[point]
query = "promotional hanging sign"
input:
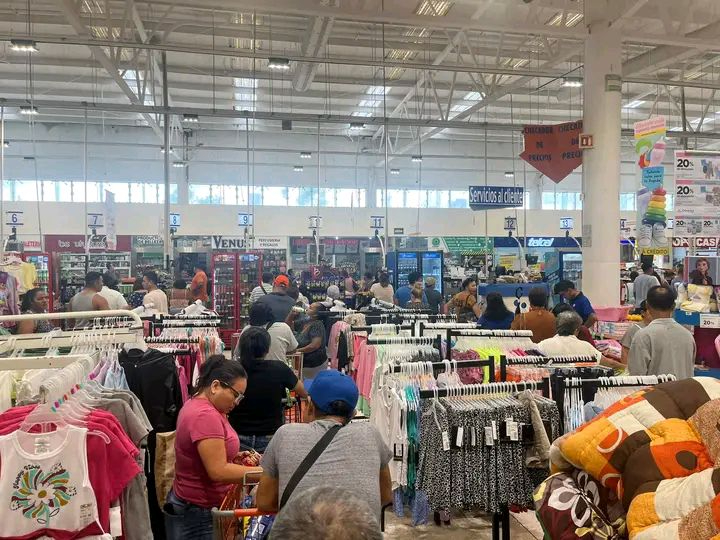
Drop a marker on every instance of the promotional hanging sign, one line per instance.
(652, 221)
(491, 197)
(697, 194)
(553, 149)
(111, 220)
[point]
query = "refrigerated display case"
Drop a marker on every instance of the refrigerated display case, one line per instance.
(41, 262)
(120, 261)
(571, 267)
(234, 276)
(402, 263)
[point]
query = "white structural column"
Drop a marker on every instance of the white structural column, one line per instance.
(601, 165)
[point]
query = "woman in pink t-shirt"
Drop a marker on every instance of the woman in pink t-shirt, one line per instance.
(206, 447)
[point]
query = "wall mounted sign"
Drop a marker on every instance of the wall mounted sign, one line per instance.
(553, 149)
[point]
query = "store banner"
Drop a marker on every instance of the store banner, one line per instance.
(652, 222)
(270, 242)
(461, 244)
(553, 150)
(701, 242)
(697, 194)
(148, 240)
(75, 243)
(229, 243)
(490, 197)
(110, 221)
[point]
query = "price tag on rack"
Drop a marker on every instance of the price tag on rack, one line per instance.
(14, 218)
(709, 320)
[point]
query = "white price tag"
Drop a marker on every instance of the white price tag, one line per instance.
(489, 441)
(446, 441)
(459, 438)
(708, 320)
(512, 430)
(494, 430)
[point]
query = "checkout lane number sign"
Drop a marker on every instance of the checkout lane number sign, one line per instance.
(174, 220)
(566, 224)
(14, 218)
(245, 220)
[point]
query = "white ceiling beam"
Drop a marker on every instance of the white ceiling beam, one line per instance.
(629, 12)
(314, 42)
(73, 18)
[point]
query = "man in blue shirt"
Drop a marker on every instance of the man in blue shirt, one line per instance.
(403, 294)
(578, 301)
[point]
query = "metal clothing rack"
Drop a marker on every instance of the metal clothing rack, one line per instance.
(618, 382)
(540, 361)
(407, 340)
(501, 519)
(370, 328)
(172, 340)
(454, 364)
(467, 332)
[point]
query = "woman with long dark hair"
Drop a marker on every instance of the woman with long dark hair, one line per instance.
(260, 414)
(34, 301)
(205, 447)
(496, 315)
(464, 304)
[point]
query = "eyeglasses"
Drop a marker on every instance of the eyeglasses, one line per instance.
(238, 396)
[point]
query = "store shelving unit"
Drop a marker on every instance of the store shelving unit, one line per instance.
(41, 262)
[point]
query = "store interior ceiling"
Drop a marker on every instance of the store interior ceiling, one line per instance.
(444, 77)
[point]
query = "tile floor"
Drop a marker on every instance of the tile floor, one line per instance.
(522, 527)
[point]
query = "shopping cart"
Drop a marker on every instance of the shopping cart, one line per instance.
(231, 520)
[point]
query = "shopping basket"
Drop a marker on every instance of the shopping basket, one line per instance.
(231, 520)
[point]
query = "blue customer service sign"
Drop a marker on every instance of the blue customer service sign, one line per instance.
(490, 197)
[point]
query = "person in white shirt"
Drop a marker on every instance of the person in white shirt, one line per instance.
(643, 283)
(566, 342)
(282, 338)
(114, 298)
(154, 295)
(382, 290)
(264, 288)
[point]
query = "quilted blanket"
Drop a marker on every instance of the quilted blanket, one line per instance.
(659, 451)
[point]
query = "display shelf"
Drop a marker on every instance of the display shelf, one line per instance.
(701, 320)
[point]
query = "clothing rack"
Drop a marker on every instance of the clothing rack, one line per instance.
(172, 340)
(501, 520)
(406, 340)
(540, 361)
(370, 328)
(618, 382)
(453, 364)
(467, 332)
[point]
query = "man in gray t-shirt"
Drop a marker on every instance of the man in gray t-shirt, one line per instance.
(663, 346)
(356, 459)
(643, 283)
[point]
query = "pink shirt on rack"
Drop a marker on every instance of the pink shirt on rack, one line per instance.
(200, 420)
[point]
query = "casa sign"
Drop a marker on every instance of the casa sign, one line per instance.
(705, 242)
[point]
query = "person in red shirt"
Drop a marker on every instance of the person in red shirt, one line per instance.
(199, 285)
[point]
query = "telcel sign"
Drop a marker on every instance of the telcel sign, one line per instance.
(540, 242)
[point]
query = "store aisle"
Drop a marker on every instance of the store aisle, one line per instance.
(522, 527)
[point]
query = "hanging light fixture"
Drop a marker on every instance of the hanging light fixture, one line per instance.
(28, 110)
(191, 118)
(416, 159)
(179, 164)
(305, 155)
(279, 64)
(23, 45)
(395, 172)
(6, 144)
(356, 126)
(572, 82)
(509, 174)
(162, 149)
(298, 168)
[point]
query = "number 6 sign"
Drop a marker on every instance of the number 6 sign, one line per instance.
(14, 218)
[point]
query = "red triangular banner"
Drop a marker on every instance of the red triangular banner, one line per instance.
(553, 149)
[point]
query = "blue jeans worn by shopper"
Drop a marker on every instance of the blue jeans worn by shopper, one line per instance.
(185, 521)
(254, 442)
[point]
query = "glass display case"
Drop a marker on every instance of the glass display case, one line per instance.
(224, 277)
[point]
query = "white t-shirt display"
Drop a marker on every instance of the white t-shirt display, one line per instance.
(114, 298)
(282, 341)
(568, 346)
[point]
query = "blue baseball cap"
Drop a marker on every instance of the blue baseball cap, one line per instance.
(331, 385)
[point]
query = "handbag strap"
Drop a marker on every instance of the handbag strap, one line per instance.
(308, 462)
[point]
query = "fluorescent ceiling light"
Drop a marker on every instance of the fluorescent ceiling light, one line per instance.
(369, 103)
(356, 126)
(190, 118)
(633, 104)
(6, 144)
(298, 168)
(459, 108)
(509, 174)
(244, 82)
(28, 110)
(244, 108)
(305, 155)
(179, 164)
(364, 114)
(378, 90)
(23, 45)
(473, 96)
(572, 82)
(395, 171)
(416, 159)
(162, 149)
(280, 64)
(245, 96)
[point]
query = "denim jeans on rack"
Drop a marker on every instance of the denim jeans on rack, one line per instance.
(254, 442)
(186, 521)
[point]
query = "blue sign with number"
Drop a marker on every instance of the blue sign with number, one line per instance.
(489, 197)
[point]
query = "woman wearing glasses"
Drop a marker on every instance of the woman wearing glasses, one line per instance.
(260, 414)
(206, 448)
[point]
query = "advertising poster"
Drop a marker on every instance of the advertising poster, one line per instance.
(554, 150)
(697, 194)
(651, 237)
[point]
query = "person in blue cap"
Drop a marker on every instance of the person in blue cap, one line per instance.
(346, 455)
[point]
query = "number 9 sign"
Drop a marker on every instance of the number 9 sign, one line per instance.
(245, 220)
